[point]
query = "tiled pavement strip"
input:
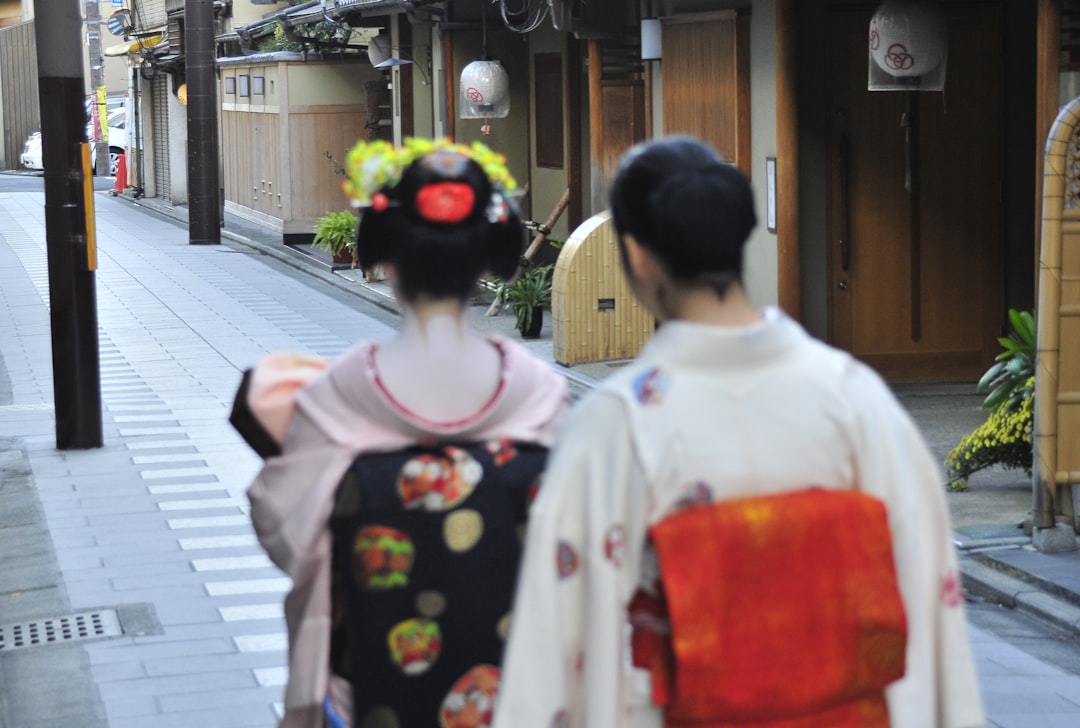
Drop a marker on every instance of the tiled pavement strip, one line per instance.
(155, 523)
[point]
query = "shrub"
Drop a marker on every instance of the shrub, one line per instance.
(1004, 439)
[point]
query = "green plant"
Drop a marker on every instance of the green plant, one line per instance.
(335, 232)
(1010, 378)
(529, 292)
(1006, 437)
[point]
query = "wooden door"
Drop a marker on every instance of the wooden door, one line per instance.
(914, 205)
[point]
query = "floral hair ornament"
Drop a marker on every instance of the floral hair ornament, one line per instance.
(373, 168)
(446, 202)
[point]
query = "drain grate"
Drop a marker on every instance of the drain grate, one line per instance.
(68, 628)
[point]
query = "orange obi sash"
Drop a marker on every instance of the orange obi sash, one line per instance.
(784, 613)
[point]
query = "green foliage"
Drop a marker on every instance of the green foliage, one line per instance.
(1008, 379)
(532, 290)
(335, 232)
(338, 169)
(1004, 439)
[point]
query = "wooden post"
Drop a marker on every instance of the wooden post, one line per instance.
(787, 160)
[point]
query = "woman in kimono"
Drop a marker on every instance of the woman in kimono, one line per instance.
(743, 527)
(397, 478)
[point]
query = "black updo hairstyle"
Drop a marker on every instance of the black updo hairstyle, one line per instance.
(441, 260)
(688, 207)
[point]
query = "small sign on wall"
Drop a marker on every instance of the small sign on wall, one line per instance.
(770, 193)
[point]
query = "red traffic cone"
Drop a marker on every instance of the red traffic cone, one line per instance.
(121, 175)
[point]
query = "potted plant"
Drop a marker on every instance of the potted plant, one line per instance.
(1005, 438)
(335, 232)
(528, 296)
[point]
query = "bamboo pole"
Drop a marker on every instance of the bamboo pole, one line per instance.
(541, 236)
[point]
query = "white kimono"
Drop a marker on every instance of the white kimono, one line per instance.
(738, 411)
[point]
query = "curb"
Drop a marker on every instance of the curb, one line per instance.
(284, 254)
(1016, 593)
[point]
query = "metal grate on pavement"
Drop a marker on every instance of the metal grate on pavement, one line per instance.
(56, 630)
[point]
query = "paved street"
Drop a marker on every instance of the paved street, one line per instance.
(149, 535)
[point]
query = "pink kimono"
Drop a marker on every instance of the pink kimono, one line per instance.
(324, 415)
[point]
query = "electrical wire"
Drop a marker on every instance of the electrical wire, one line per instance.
(534, 11)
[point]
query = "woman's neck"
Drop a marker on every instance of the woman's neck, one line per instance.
(702, 305)
(434, 326)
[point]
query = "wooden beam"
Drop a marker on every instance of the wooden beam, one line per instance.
(787, 161)
(1047, 52)
(596, 130)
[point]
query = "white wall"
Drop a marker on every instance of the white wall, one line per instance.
(761, 261)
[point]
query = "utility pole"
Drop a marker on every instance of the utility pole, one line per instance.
(204, 190)
(97, 85)
(69, 226)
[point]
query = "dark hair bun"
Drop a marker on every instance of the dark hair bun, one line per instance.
(444, 226)
(685, 204)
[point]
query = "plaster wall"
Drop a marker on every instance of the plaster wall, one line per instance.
(547, 183)
(320, 84)
(245, 11)
(760, 262)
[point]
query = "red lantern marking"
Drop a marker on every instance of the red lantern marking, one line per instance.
(474, 95)
(898, 58)
(875, 39)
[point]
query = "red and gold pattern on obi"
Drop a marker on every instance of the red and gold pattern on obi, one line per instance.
(784, 613)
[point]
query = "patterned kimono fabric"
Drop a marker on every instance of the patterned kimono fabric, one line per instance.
(427, 543)
(784, 612)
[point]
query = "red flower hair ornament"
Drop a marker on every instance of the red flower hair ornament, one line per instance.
(445, 202)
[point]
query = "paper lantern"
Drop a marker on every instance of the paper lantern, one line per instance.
(485, 90)
(908, 39)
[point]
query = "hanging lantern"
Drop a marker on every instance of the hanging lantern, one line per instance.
(485, 90)
(908, 41)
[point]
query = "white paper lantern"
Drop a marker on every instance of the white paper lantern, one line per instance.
(908, 38)
(485, 90)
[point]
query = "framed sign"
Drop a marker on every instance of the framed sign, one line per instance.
(770, 193)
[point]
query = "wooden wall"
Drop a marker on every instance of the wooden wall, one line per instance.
(20, 112)
(279, 122)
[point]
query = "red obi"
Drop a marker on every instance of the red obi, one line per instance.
(784, 613)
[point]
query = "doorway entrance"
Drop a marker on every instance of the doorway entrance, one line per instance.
(915, 205)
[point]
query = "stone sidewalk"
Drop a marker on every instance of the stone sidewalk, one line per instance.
(132, 590)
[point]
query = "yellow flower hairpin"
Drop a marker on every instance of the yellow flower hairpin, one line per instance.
(375, 166)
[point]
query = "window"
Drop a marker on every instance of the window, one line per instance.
(230, 84)
(549, 109)
(244, 90)
(257, 85)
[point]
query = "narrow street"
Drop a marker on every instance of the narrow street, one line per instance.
(150, 534)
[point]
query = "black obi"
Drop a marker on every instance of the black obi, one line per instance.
(427, 543)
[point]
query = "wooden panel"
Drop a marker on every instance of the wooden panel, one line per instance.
(310, 135)
(548, 85)
(595, 317)
(236, 158)
(706, 82)
(19, 86)
(266, 164)
(624, 122)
